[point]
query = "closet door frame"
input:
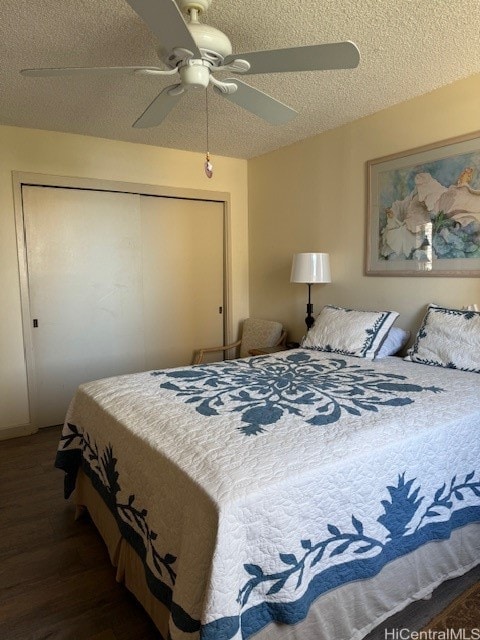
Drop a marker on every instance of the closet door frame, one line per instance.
(21, 179)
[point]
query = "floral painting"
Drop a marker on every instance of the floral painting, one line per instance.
(424, 211)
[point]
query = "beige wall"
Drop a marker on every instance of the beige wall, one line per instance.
(80, 156)
(311, 197)
(306, 197)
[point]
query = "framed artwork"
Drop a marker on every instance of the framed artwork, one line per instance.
(423, 211)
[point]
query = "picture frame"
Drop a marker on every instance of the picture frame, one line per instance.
(423, 211)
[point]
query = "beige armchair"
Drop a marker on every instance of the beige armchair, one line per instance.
(255, 333)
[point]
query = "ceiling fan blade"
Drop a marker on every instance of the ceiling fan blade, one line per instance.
(161, 106)
(74, 71)
(165, 20)
(317, 57)
(258, 102)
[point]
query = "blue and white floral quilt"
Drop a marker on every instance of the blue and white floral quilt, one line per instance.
(249, 488)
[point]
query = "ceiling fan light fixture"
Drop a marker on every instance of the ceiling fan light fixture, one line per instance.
(195, 74)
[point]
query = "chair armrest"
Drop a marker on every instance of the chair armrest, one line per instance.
(198, 357)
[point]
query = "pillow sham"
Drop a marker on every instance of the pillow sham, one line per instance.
(396, 339)
(349, 332)
(448, 338)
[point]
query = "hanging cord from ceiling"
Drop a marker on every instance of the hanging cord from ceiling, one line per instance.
(208, 165)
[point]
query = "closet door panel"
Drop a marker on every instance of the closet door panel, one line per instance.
(183, 287)
(118, 283)
(84, 258)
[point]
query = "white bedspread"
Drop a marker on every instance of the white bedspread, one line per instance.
(251, 487)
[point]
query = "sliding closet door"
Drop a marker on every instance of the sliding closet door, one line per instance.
(117, 284)
(183, 278)
(85, 273)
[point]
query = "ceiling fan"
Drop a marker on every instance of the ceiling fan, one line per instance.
(194, 52)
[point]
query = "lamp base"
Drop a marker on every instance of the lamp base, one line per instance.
(309, 320)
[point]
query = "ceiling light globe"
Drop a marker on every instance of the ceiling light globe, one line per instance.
(195, 76)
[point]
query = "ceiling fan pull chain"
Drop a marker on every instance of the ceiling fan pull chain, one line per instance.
(208, 165)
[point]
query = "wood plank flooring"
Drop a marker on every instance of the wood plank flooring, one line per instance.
(56, 580)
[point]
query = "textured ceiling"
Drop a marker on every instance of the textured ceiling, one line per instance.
(407, 47)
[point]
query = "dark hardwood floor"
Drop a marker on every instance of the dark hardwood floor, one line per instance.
(56, 579)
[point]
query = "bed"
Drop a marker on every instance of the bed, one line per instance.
(304, 495)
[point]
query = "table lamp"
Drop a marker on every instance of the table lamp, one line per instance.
(310, 268)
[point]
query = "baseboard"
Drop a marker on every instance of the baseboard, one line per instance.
(16, 432)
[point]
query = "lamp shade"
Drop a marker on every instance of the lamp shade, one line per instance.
(310, 268)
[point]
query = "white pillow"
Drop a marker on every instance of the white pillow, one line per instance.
(349, 332)
(448, 338)
(396, 339)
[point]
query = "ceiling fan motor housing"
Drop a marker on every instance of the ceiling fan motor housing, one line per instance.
(210, 40)
(213, 44)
